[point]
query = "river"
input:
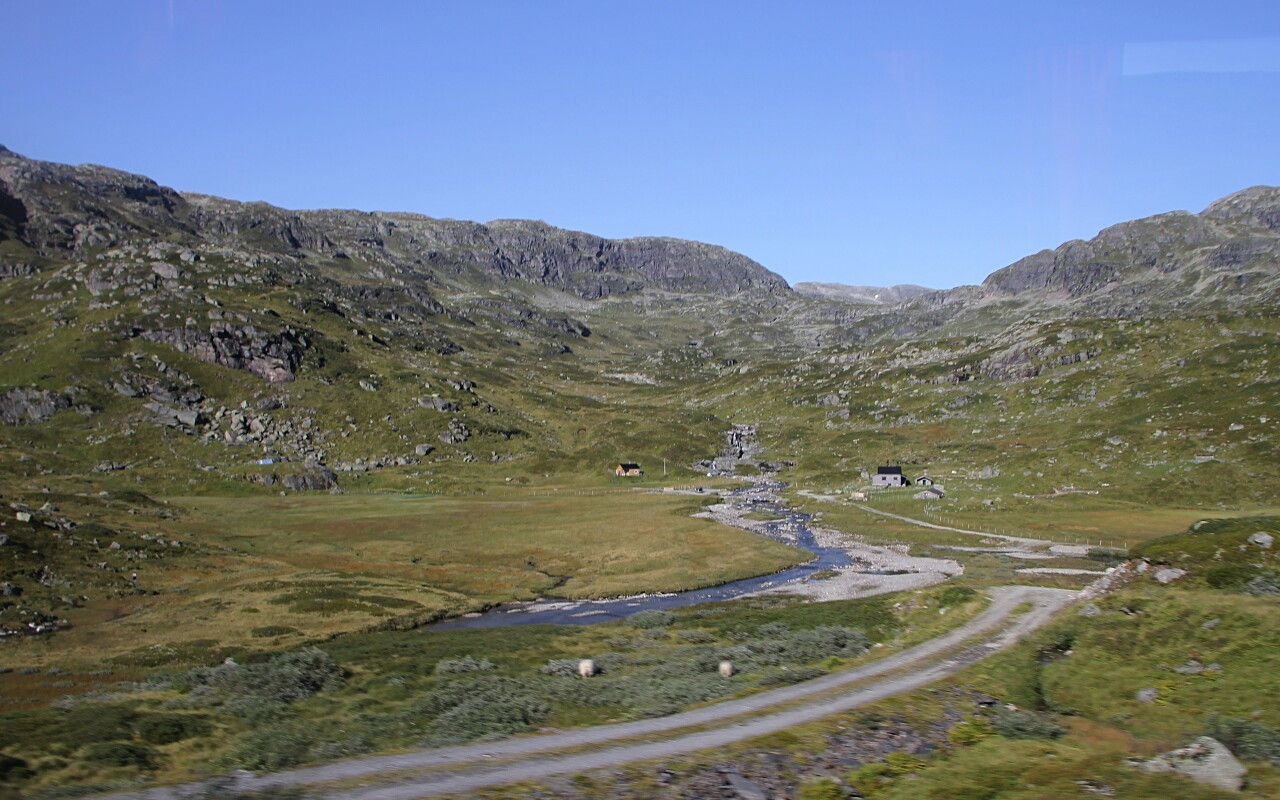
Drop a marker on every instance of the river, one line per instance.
(791, 527)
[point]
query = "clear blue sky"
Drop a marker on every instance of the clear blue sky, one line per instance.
(858, 142)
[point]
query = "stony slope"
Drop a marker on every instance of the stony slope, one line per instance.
(187, 337)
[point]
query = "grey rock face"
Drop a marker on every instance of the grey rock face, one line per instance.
(437, 404)
(316, 478)
(1206, 761)
(274, 357)
(31, 406)
(1169, 575)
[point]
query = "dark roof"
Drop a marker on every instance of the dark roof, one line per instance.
(888, 470)
(627, 465)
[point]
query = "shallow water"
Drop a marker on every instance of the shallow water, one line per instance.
(792, 529)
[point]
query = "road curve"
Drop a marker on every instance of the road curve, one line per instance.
(997, 625)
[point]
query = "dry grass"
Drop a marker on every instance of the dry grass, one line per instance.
(323, 564)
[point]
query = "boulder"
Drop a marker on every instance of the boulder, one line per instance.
(745, 789)
(1169, 574)
(437, 404)
(1262, 539)
(1206, 761)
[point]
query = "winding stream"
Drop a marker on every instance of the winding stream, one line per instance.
(791, 528)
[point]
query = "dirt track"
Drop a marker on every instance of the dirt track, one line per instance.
(468, 767)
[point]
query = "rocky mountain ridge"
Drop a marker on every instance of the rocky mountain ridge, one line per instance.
(345, 338)
(62, 210)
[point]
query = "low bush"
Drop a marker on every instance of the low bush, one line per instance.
(1247, 739)
(561, 667)
(955, 595)
(169, 728)
(464, 664)
(970, 731)
(120, 754)
(653, 618)
(820, 789)
(1027, 725)
(284, 679)
(273, 747)
(13, 769)
(89, 724)
(790, 676)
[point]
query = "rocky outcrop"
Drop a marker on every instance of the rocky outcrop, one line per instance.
(62, 207)
(30, 406)
(274, 357)
(456, 434)
(1017, 363)
(315, 478)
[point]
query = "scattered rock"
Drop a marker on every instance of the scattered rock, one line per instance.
(1147, 695)
(745, 789)
(457, 433)
(1169, 574)
(1206, 761)
(1089, 610)
(423, 450)
(1210, 624)
(1192, 667)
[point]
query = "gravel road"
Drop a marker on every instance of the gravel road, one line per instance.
(997, 625)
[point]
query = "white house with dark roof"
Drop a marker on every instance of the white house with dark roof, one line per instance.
(887, 477)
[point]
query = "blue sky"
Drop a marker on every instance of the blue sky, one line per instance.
(859, 142)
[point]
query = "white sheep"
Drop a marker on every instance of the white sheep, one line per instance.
(727, 670)
(586, 668)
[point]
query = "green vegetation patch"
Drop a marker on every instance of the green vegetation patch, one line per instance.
(1240, 555)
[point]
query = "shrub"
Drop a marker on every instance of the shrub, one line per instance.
(119, 754)
(464, 664)
(971, 731)
(92, 723)
(1027, 725)
(286, 678)
(274, 747)
(955, 595)
(561, 667)
(267, 631)
(1264, 585)
(653, 618)
(480, 708)
(870, 779)
(820, 789)
(695, 637)
(169, 728)
(13, 769)
(1247, 739)
(901, 763)
(790, 676)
